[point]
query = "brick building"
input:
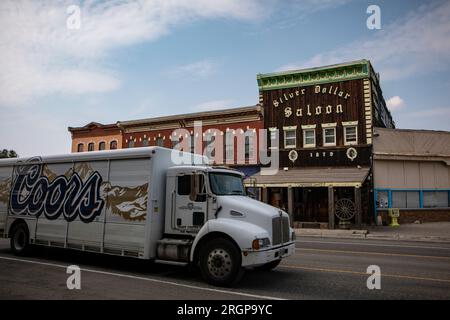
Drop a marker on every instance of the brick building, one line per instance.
(230, 136)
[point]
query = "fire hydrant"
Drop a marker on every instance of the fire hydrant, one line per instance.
(394, 214)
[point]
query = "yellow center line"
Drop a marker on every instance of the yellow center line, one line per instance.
(373, 253)
(364, 273)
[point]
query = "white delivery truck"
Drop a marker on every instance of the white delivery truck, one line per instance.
(138, 203)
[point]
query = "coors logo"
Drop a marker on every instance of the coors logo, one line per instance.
(32, 193)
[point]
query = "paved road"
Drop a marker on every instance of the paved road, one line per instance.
(320, 269)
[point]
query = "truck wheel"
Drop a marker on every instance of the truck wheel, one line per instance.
(220, 262)
(269, 266)
(20, 239)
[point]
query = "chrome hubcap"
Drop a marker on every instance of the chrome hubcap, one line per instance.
(219, 263)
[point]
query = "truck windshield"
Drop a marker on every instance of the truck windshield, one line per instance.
(223, 184)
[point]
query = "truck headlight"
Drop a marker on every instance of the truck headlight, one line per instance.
(260, 243)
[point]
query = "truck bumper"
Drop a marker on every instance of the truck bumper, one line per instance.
(260, 257)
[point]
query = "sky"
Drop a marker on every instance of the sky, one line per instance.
(67, 63)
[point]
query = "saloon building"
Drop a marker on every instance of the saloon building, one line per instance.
(324, 119)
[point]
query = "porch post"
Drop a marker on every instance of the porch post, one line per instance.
(291, 205)
(358, 207)
(330, 207)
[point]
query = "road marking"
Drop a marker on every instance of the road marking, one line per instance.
(373, 253)
(146, 279)
(363, 273)
(371, 244)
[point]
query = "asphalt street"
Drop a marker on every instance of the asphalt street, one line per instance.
(320, 269)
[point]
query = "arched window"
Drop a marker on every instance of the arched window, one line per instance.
(145, 143)
(131, 144)
(91, 146)
(113, 145)
(102, 146)
(80, 147)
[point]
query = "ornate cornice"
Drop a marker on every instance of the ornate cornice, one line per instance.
(306, 77)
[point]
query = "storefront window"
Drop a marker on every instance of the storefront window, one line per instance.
(382, 199)
(413, 199)
(398, 199)
(435, 199)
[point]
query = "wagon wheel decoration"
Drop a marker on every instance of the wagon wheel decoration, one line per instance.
(345, 209)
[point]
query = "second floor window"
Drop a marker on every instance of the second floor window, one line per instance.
(102, 146)
(309, 138)
(113, 145)
(290, 137)
(80, 147)
(229, 146)
(160, 141)
(91, 146)
(350, 135)
(329, 136)
(145, 143)
(131, 144)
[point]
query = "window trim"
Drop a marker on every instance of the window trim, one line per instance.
(93, 146)
(290, 128)
(99, 143)
(327, 126)
(309, 128)
(117, 144)
(350, 143)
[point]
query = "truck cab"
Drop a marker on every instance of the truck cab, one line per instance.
(211, 222)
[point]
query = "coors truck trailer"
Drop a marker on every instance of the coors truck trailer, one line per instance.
(138, 203)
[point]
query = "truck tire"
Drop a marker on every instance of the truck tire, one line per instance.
(269, 266)
(220, 262)
(20, 239)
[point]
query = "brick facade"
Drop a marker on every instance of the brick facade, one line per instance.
(96, 133)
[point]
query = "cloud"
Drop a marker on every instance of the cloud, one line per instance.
(213, 105)
(195, 70)
(40, 56)
(414, 44)
(395, 103)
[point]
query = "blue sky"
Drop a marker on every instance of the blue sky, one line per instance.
(132, 59)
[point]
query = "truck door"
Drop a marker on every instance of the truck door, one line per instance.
(190, 202)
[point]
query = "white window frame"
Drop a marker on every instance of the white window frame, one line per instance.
(290, 128)
(327, 126)
(350, 124)
(312, 128)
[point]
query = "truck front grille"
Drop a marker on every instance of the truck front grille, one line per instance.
(280, 230)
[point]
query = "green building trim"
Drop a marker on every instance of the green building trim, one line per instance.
(305, 77)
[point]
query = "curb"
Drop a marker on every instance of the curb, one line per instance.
(364, 234)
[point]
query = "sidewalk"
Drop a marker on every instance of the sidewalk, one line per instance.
(431, 232)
